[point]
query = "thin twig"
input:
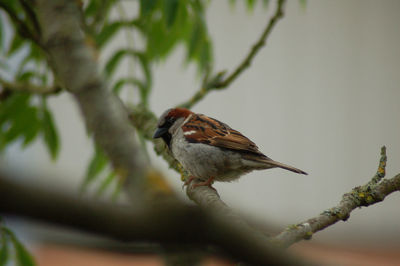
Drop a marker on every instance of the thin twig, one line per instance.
(217, 82)
(7, 88)
(373, 192)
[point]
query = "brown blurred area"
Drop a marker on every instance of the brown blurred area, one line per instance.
(348, 255)
(60, 255)
(322, 254)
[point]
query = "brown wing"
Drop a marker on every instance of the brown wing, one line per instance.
(207, 130)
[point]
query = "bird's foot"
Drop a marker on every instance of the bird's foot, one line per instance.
(207, 183)
(187, 182)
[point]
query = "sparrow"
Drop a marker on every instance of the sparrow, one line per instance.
(210, 150)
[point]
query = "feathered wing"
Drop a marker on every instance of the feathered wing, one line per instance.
(207, 130)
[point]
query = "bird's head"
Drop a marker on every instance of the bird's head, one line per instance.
(169, 121)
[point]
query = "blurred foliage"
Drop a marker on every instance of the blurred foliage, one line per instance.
(22, 116)
(151, 35)
(152, 30)
(158, 26)
(11, 249)
(99, 169)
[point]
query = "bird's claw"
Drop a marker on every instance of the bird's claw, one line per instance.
(187, 182)
(207, 183)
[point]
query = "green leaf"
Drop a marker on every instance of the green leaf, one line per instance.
(35, 53)
(127, 81)
(105, 184)
(26, 76)
(170, 11)
(18, 119)
(147, 6)
(194, 40)
(16, 44)
(205, 55)
(14, 105)
(180, 21)
(50, 133)
(158, 43)
(250, 4)
(112, 63)
(22, 255)
(92, 7)
(31, 131)
(96, 166)
(115, 59)
(107, 32)
(198, 44)
(303, 3)
(22, 121)
(3, 248)
(144, 62)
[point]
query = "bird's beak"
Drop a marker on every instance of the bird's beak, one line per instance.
(159, 132)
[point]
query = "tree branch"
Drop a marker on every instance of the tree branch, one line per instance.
(208, 199)
(145, 122)
(167, 222)
(9, 87)
(218, 82)
(75, 65)
(373, 192)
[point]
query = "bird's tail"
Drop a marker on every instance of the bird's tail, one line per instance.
(269, 163)
(285, 166)
(260, 161)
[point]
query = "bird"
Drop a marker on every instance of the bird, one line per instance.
(210, 150)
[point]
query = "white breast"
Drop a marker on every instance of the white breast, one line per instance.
(204, 161)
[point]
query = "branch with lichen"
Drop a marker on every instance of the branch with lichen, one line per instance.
(218, 82)
(362, 196)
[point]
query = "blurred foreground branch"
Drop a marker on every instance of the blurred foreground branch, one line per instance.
(373, 192)
(218, 82)
(169, 222)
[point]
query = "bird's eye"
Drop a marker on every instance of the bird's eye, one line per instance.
(167, 123)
